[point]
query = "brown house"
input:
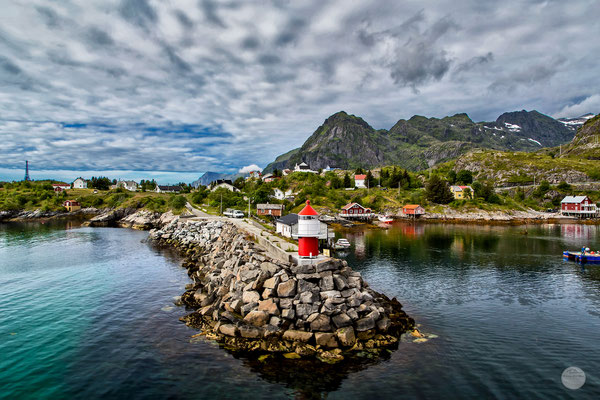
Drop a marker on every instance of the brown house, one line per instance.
(275, 210)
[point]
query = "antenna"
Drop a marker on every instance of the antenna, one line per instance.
(27, 178)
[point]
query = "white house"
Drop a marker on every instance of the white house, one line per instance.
(360, 181)
(79, 183)
(168, 189)
(224, 184)
(288, 226)
(132, 186)
(303, 167)
(280, 194)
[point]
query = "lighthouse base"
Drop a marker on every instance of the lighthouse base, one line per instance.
(308, 247)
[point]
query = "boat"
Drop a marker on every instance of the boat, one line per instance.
(386, 219)
(341, 244)
(586, 257)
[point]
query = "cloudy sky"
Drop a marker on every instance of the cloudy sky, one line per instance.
(184, 86)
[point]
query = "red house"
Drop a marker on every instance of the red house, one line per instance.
(356, 211)
(578, 206)
(413, 210)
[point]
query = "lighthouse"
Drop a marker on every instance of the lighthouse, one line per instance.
(309, 228)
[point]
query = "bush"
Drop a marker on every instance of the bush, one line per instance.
(437, 191)
(177, 202)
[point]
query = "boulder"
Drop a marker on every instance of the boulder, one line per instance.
(326, 283)
(364, 324)
(309, 297)
(346, 336)
(256, 318)
(269, 306)
(321, 323)
(229, 330)
(251, 297)
(271, 283)
(341, 320)
(288, 313)
(326, 339)
(287, 289)
(297, 336)
(269, 267)
(327, 264)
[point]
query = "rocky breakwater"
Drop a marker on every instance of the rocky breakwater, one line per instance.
(252, 303)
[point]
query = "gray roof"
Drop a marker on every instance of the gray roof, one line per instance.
(573, 199)
(269, 206)
(289, 220)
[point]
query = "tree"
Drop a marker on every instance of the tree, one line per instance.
(347, 182)
(464, 176)
(451, 177)
(359, 171)
(100, 183)
(467, 193)
(563, 186)
(370, 180)
(437, 191)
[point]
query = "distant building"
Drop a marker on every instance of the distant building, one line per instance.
(459, 191)
(168, 189)
(255, 174)
(59, 187)
(275, 210)
(288, 226)
(356, 211)
(413, 210)
(72, 205)
(132, 186)
(268, 178)
(280, 194)
(224, 184)
(360, 181)
(303, 167)
(578, 206)
(79, 183)
(286, 172)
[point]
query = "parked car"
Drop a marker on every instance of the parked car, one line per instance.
(231, 213)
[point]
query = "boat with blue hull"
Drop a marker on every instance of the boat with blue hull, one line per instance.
(582, 257)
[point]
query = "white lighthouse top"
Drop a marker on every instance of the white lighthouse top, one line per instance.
(308, 224)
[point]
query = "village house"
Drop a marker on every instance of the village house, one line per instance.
(356, 211)
(578, 206)
(275, 210)
(255, 174)
(79, 183)
(268, 178)
(413, 210)
(303, 167)
(168, 189)
(288, 226)
(72, 205)
(286, 172)
(132, 186)
(360, 181)
(224, 184)
(59, 187)
(280, 194)
(460, 192)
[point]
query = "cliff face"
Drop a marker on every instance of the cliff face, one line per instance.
(251, 302)
(586, 144)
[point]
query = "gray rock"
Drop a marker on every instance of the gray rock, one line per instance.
(271, 283)
(364, 324)
(341, 283)
(326, 282)
(305, 286)
(288, 313)
(286, 303)
(384, 324)
(352, 314)
(268, 293)
(250, 332)
(270, 268)
(309, 297)
(246, 308)
(303, 269)
(328, 294)
(306, 309)
(321, 323)
(328, 264)
(275, 321)
(287, 289)
(341, 320)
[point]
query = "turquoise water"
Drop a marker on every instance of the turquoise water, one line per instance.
(88, 313)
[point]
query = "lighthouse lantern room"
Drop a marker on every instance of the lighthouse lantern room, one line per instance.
(309, 228)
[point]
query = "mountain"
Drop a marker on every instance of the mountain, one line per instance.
(586, 144)
(575, 123)
(210, 176)
(347, 141)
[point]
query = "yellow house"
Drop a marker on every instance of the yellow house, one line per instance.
(460, 192)
(72, 205)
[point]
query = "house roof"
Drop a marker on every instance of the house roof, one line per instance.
(129, 183)
(269, 206)
(308, 210)
(411, 206)
(573, 199)
(220, 181)
(349, 206)
(175, 188)
(457, 188)
(289, 220)
(360, 177)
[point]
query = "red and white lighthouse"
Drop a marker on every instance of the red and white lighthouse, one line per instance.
(309, 228)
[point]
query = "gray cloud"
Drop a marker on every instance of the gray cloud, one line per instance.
(166, 86)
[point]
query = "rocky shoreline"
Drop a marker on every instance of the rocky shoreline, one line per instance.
(249, 302)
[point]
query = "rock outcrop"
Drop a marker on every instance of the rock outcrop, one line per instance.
(250, 302)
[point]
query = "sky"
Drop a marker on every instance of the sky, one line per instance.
(131, 88)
